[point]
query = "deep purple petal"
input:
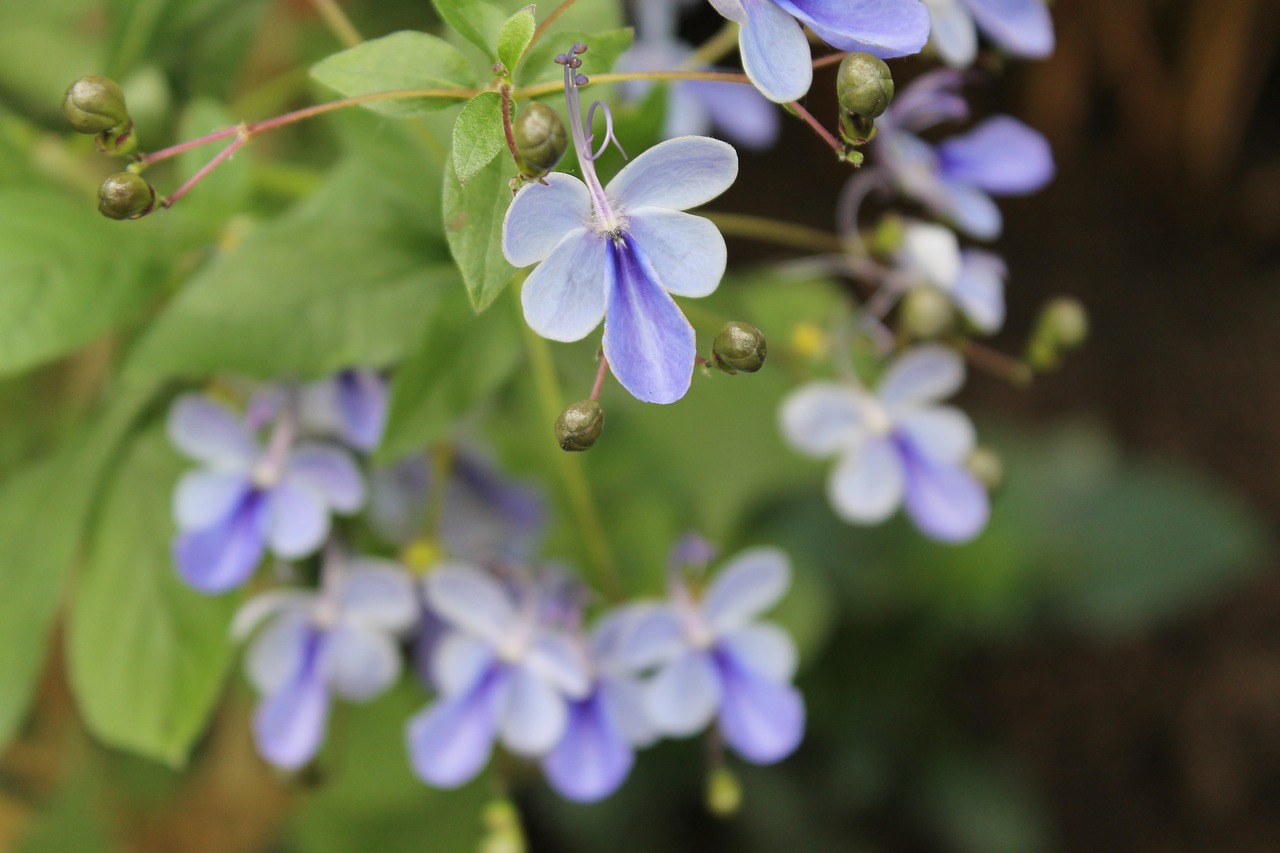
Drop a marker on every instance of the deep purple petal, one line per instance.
(1022, 27)
(1001, 155)
(592, 758)
(762, 719)
(223, 556)
(886, 28)
(289, 725)
(450, 741)
(945, 501)
(649, 343)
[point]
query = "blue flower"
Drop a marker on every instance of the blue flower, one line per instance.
(895, 446)
(618, 253)
(1022, 27)
(956, 179)
(341, 640)
(930, 256)
(502, 675)
(775, 52)
(350, 406)
(715, 661)
(247, 499)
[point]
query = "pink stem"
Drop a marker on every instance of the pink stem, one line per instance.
(205, 170)
(818, 128)
(600, 375)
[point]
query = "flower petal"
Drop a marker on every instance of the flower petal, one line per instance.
(296, 521)
(1000, 155)
(623, 699)
(652, 638)
(687, 252)
(289, 725)
(682, 698)
(747, 586)
(561, 663)
(966, 207)
(223, 556)
(542, 215)
(450, 741)
(361, 663)
(564, 298)
(1022, 27)
(764, 648)
(534, 717)
(378, 594)
(945, 501)
(822, 418)
(472, 601)
(886, 28)
(952, 32)
(979, 289)
(923, 374)
(676, 174)
(328, 472)
(204, 498)
(775, 53)
(866, 485)
(762, 719)
(940, 432)
(211, 433)
(740, 113)
(649, 343)
(277, 653)
(458, 661)
(592, 759)
(931, 252)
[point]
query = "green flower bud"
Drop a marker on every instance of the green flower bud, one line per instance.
(864, 85)
(125, 195)
(986, 465)
(1063, 324)
(724, 792)
(740, 347)
(926, 312)
(540, 139)
(95, 104)
(580, 425)
(504, 833)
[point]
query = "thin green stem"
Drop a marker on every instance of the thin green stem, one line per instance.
(774, 231)
(338, 22)
(547, 22)
(710, 76)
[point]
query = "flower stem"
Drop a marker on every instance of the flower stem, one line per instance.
(338, 22)
(224, 154)
(774, 231)
(547, 22)
(506, 125)
(601, 373)
(622, 77)
(1014, 371)
(830, 59)
(825, 134)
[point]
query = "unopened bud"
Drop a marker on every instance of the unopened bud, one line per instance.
(503, 831)
(985, 464)
(864, 85)
(580, 425)
(540, 139)
(740, 347)
(125, 195)
(1063, 324)
(724, 792)
(95, 104)
(926, 312)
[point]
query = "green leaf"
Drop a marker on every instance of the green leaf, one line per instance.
(603, 50)
(403, 60)
(515, 36)
(146, 654)
(344, 279)
(43, 511)
(478, 135)
(463, 360)
(475, 20)
(67, 275)
(473, 226)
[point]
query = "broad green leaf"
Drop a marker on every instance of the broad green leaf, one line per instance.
(146, 654)
(473, 226)
(603, 50)
(475, 20)
(478, 135)
(345, 279)
(43, 511)
(463, 359)
(403, 60)
(67, 275)
(515, 36)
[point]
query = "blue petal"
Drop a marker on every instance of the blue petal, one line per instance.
(822, 418)
(775, 53)
(276, 654)
(953, 34)
(541, 215)
(766, 648)
(223, 556)
(751, 583)
(210, 432)
(885, 28)
(649, 343)
(377, 593)
(458, 661)
(204, 498)
(564, 298)
(942, 432)
(289, 725)
(361, 663)
(687, 252)
(362, 403)
(923, 374)
(945, 501)
(331, 474)
(296, 520)
(592, 759)
(866, 485)
(1001, 155)
(763, 720)
(1022, 27)
(677, 174)
(450, 741)
(683, 697)
(473, 601)
(968, 208)
(534, 716)
(932, 98)
(979, 290)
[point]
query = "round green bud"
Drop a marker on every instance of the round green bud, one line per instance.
(540, 139)
(580, 425)
(125, 195)
(95, 104)
(926, 312)
(724, 792)
(502, 820)
(864, 85)
(740, 347)
(985, 464)
(1066, 319)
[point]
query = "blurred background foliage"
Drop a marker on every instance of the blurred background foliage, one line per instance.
(1099, 671)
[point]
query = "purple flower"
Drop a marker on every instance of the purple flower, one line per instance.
(1022, 27)
(716, 662)
(618, 253)
(956, 179)
(340, 640)
(502, 675)
(895, 446)
(350, 406)
(247, 499)
(775, 52)
(930, 256)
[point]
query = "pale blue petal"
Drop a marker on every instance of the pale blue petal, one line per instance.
(378, 594)
(541, 215)
(676, 174)
(564, 298)
(471, 600)
(739, 112)
(458, 661)
(1001, 155)
(1022, 27)
(223, 556)
(731, 9)
(649, 343)
(204, 498)
(451, 740)
(534, 717)
(775, 53)
(953, 34)
(968, 208)
(361, 663)
(979, 290)
(924, 374)
(765, 647)
(942, 432)
(682, 698)
(686, 251)
(592, 759)
(931, 98)
(276, 654)
(276, 603)
(944, 499)
(211, 433)
(822, 418)
(561, 663)
(761, 719)
(289, 725)
(886, 28)
(930, 253)
(623, 699)
(363, 405)
(865, 487)
(751, 583)
(331, 474)
(653, 638)
(296, 520)
(687, 115)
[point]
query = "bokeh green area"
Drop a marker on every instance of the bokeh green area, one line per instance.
(324, 245)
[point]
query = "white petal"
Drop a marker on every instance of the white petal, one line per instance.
(624, 699)
(203, 497)
(297, 520)
(268, 604)
(749, 585)
(561, 663)
(541, 215)
(683, 697)
(471, 600)
(932, 253)
(979, 290)
(866, 485)
(330, 473)
(822, 418)
(564, 297)
(941, 432)
(924, 374)
(766, 648)
(535, 715)
(276, 653)
(458, 661)
(687, 252)
(653, 638)
(676, 174)
(377, 594)
(361, 663)
(210, 432)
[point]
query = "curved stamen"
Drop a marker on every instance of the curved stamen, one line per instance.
(609, 135)
(607, 220)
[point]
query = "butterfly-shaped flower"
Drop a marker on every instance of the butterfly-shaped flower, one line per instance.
(930, 256)
(1022, 27)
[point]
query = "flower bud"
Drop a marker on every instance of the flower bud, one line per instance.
(926, 312)
(864, 85)
(1063, 324)
(724, 792)
(504, 833)
(740, 347)
(125, 195)
(580, 425)
(540, 139)
(95, 104)
(985, 464)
